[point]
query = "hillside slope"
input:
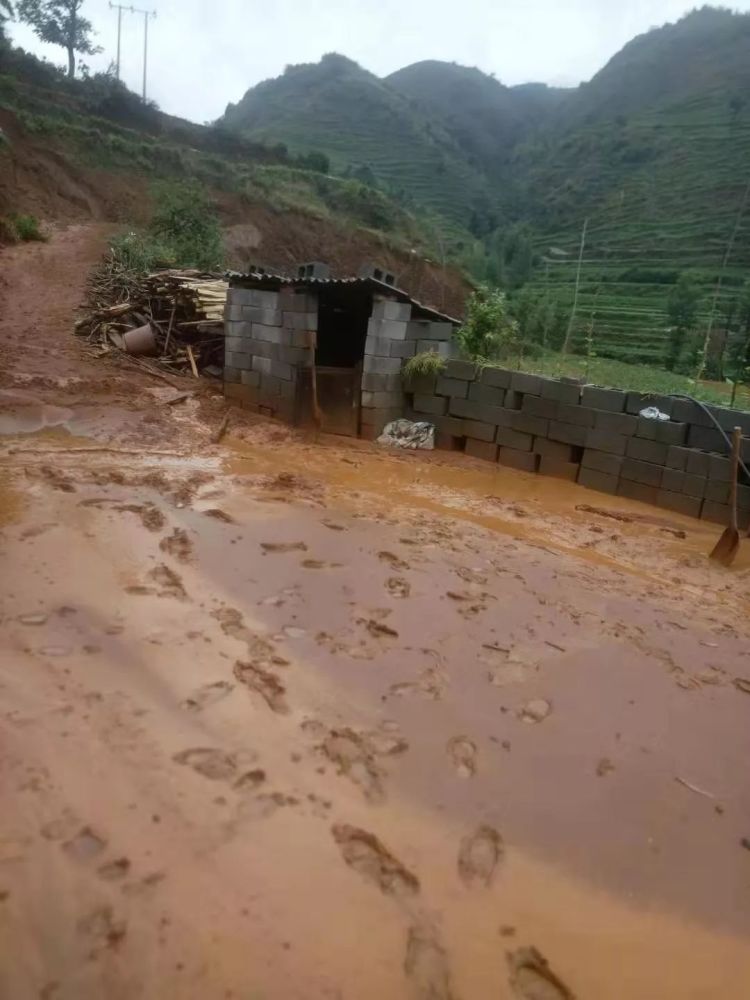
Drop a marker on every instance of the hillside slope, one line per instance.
(366, 128)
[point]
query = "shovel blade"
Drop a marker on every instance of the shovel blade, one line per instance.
(726, 548)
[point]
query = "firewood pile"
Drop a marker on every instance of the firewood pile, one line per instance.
(170, 322)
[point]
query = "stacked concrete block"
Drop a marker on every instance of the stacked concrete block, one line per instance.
(386, 348)
(268, 338)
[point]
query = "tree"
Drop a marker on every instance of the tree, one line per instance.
(59, 22)
(682, 309)
(489, 331)
(6, 13)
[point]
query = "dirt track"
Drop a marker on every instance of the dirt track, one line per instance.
(295, 719)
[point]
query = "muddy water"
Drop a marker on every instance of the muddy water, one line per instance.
(266, 667)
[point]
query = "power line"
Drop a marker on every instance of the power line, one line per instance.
(119, 7)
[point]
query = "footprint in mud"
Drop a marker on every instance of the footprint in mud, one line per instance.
(534, 711)
(57, 479)
(207, 695)
(430, 685)
(334, 526)
(463, 752)
(479, 855)
(113, 871)
(355, 759)
(151, 517)
(211, 763)
(219, 515)
(250, 780)
(367, 855)
(102, 929)
(393, 560)
(264, 683)
(378, 629)
(320, 564)
(397, 586)
(426, 965)
(532, 979)
(259, 648)
(283, 547)
(177, 544)
(169, 582)
(86, 844)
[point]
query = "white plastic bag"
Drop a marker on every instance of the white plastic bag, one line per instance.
(407, 434)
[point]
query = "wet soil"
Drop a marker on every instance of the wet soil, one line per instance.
(297, 718)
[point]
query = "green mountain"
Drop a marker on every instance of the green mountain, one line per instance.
(654, 152)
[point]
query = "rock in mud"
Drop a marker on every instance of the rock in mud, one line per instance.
(369, 856)
(264, 683)
(532, 979)
(34, 618)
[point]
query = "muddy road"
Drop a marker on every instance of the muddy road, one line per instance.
(286, 718)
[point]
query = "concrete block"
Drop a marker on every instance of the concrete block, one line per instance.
(513, 399)
(459, 407)
(560, 470)
(697, 463)
(443, 349)
(538, 406)
(235, 345)
(389, 328)
(233, 311)
(678, 502)
(232, 374)
(379, 347)
(545, 448)
(637, 401)
(637, 491)
(253, 297)
(270, 386)
(461, 369)
(528, 424)
(382, 366)
(487, 394)
(486, 450)
(374, 382)
(388, 401)
(476, 429)
(717, 492)
(422, 384)
(498, 377)
(293, 320)
(485, 412)
(391, 309)
(250, 378)
(282, 370)
(707, 439)
(523, 382)
(403, 348)
(642, 472)
(262, 365)
(600, 461)
(294, 356)
(647, 451)
(592, 479)
(514, 439)
(447, 442)
(233, 359)
(600, 440)
(582, 416)
(729, 419)
(603, 399)
(259, 349)
(677, 457)
(561, 392)
(268, 317)
(451, 387)
(298, 300)
(672, 480)
(525, 461)
(240, 393)
(615, 423)
(426, 330)
(270, 334)
(452, 426)
(567, 433)
(431, 404)
(718, 513)
(719, 469)
(665, 431)
(694, 486)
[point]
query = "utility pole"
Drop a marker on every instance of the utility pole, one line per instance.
(569, 334)
(119, 7)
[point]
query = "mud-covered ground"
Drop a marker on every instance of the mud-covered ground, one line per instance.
(286, 718)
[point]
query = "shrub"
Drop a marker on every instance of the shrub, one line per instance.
(426, 363)
(8, 231)
(185, 223)
(27, 228)
(489, 331)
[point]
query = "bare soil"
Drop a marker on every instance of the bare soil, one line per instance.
(297, 718)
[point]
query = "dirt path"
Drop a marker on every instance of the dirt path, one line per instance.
(286, 719)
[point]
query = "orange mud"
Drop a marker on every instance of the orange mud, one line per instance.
(286, 718)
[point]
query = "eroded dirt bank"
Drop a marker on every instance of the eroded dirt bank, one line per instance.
(292, 718)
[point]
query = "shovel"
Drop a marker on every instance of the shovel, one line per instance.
(727, 546)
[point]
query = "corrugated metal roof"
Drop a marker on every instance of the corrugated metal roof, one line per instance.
(272, 281)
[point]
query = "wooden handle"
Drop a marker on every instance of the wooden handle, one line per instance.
(736, 443)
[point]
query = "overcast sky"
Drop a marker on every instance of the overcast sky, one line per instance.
(204, 53)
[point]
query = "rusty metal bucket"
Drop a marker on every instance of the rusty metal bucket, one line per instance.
(140, 341)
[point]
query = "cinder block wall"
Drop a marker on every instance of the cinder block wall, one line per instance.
(392, 337)
(267, 339)
(587, 435)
